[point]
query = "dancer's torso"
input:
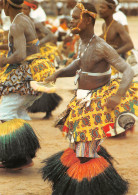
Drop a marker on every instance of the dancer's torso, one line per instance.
(112, 37)
(93, 61)
(28, 29)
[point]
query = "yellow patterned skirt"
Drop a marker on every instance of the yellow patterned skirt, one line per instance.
(114, 71)
(94, 121)
(50, 51)
(15, 78)
(3, 52)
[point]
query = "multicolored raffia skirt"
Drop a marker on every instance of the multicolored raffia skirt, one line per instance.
(15, 78)
(92, 120)
(18, 142)
(69, 175)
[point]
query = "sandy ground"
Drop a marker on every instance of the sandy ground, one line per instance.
(29, 181)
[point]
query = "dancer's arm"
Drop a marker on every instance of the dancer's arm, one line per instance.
(113, 58)
(49, 36)
(68, 71)
(127, 43)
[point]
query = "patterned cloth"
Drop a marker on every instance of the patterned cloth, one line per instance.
(114, 72)
(86, 121)
(87, 149)
(15, 78)
(50, 51)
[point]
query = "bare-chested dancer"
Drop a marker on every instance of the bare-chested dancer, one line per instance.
(22, 66)
(46, 38)
(43, 33)
(113, 32)
(116, 35)
(98, 109)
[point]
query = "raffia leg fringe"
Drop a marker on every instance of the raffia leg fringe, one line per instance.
(46, 103)
(18, 143)
(70, 177)
(55, 162)
(104, 153)
(53, 168)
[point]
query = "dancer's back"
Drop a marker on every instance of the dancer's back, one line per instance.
(22, 35)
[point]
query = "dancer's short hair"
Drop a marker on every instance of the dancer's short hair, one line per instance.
(16, 4)
(112, 3)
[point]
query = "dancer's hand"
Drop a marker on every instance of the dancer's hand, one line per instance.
(113, 101)
(51, 78)
(2, 61)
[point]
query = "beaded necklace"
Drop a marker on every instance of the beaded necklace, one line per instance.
(106, 29)
(82, 54)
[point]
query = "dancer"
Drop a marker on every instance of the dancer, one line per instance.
(113, 32)
(23, 67)
(115, 35)
(47, 102)
(40, 28)
(46, 38)
(99, 107)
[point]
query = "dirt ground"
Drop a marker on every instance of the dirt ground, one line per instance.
(29, 181)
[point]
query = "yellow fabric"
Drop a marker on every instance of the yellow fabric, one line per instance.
(11, 126)
(3, 52)
(2, 70)
(49, 50)
(90, 123)
(40, 69)
(33, 56)
(114, 70)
